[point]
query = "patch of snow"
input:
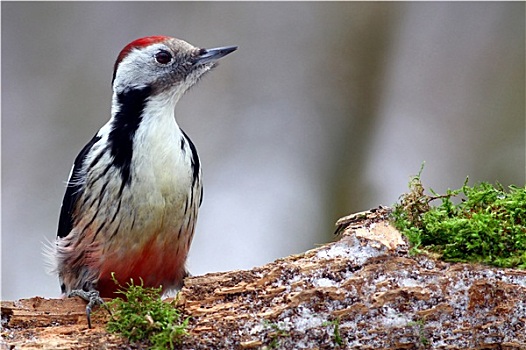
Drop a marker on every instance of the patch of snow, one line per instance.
(409, 282)
(307, 319)
(354, 251)
(324, 282)
(394, 318)
(335, 251)
(258, 328)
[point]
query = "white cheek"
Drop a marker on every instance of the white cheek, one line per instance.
(133, 71)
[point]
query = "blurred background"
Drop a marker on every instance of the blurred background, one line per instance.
(325, 109)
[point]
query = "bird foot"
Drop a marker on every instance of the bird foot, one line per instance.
(92, 297)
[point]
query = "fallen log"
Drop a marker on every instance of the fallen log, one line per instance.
(363, 291)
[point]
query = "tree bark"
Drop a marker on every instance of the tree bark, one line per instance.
(363, 291)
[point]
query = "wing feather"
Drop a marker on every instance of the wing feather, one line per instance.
(74, 190)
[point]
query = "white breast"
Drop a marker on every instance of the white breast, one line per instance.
(162, 174)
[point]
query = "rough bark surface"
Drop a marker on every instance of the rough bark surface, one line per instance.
(363, 291)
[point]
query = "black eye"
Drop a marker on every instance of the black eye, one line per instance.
(163, 57)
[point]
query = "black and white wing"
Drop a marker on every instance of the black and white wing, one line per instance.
(74, 190)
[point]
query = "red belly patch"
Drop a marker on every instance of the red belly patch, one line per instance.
(155, 264)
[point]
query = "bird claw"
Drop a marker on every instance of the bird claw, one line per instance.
(92, 297)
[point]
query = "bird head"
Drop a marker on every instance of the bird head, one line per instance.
(163, 64)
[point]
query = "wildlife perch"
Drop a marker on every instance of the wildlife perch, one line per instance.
(133, 194)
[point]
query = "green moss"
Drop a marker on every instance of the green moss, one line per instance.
(421, 332)
(143, 316)
(277, 332)
(484, 223)
(336, 336)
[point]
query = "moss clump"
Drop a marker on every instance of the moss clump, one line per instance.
(336, 336)
(143, 316)
(488, 225)
(420, 324)
(277, 331)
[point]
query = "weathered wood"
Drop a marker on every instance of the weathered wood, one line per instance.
(366, 283)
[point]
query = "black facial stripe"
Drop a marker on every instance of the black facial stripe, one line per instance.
(125, 124)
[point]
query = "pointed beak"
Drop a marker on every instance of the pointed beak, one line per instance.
(212, 55)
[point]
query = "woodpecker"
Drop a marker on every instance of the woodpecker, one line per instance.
(134, 191)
